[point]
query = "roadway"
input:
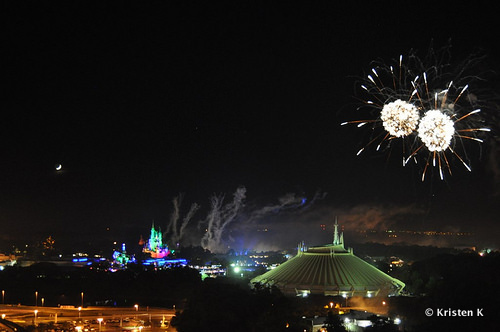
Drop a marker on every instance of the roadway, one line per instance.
(91, 319)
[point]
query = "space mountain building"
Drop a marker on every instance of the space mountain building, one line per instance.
(330, 270)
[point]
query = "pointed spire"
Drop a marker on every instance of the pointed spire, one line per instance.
(336, 233)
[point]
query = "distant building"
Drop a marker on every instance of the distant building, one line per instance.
(159, 251)
(121, 259)
(330, 270)
(155, 246)
(7, 260)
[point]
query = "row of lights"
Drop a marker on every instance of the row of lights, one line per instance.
(78, 328)
(36, 298)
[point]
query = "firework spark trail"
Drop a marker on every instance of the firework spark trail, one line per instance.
(219, 217)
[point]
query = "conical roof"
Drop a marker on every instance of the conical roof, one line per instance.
(330, 270)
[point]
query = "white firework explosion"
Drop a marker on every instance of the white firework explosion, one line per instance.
(426, 122)
(392, 93)
(441, 127)
(399, 118)
(436, 130)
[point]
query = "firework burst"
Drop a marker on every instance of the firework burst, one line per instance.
(445, 126)
(399, 118)
(436, 130)
(408, 103)
(391, 100)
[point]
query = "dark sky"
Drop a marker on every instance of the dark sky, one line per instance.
(142, 101)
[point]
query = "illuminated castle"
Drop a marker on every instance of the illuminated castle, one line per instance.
(121, 259)
(155, 246)
(330, 270)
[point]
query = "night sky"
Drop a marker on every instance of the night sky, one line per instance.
(142, 101)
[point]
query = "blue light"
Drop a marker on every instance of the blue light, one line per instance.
(76, 260)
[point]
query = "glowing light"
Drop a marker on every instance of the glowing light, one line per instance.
(99, 320)
(399, 118)
(155, 246)
(436, 130)
(415, 105)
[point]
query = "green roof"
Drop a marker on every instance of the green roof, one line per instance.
(330, 274)
(330, 270)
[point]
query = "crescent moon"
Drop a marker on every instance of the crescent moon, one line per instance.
(58, 167)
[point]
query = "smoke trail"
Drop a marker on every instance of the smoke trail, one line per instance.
(288, 202)
(172, 227)
(192, 210)
(174, 217)
(219, 217)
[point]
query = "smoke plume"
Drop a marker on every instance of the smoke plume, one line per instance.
(176, 232)
(219, 217)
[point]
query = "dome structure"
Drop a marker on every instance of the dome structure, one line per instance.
(330, 270)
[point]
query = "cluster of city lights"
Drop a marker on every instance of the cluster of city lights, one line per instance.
(41, 316)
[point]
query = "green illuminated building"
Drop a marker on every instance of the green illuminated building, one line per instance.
(330, 270)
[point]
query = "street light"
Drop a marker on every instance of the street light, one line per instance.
(36, 299)
(82, 299)
(79, 312)
(43, 300)
(136, 306)
(3, 296)
(345, 297)
(36, 312)
(100, 321)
